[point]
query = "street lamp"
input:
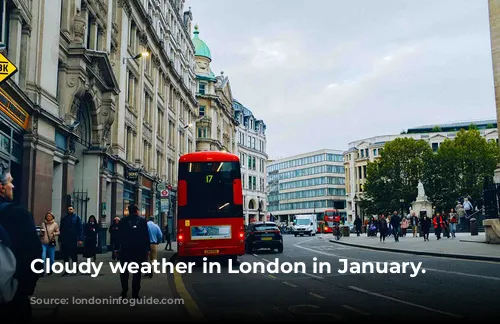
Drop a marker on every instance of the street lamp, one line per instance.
(258, 210)
(401, 201)
(138, 56)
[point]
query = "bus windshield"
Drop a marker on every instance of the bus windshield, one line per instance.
(209, 189)
(332, 213)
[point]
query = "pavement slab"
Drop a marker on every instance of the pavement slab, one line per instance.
(464, 246)
(97, 298)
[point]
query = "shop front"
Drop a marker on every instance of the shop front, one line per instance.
(147, 209)
(13, 125)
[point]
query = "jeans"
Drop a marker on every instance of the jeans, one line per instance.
(48, 251)
(453, 229)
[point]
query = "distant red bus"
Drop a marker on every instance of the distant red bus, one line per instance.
(210, 218)
(331, 217)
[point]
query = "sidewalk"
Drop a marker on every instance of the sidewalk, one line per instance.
(464, 246)
(101, 288)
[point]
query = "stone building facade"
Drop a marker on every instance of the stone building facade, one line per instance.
(252, 143)
(87, 114)
(215, 123)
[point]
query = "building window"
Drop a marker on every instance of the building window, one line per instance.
(201, 88)
(201, 111)
(3, 23)
(435, 147)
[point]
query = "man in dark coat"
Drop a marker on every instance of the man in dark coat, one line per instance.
(25, 245)
(71, 236)
(357, 225)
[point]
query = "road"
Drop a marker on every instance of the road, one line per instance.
(449, 289)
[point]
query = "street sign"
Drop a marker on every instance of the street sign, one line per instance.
(7, 68)
(161, 186)
(164, 193)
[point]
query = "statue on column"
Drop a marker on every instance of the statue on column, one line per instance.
(421, 191)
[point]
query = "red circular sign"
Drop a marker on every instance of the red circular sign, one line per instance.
(164, 193)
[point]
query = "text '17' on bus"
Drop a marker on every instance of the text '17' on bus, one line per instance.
(210, 218)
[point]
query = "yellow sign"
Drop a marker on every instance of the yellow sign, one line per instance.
(187, 223)
(7, 68)
(12, 109)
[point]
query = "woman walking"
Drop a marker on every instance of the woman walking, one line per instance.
(91, 233)
(48, 232)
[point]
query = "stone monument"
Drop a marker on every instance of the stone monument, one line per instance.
(421, 203)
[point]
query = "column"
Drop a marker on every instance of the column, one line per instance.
(14, 47)
(117, 197)
(67, 180)
(44, 168)
(494, 17)
(28, 166)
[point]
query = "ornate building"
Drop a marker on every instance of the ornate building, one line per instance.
(87, 114)
(251, 134)
(215, 125)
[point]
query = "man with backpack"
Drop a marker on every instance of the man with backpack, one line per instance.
(20, 246)
(133, 234)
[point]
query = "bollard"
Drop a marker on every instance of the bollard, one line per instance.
(473, 227)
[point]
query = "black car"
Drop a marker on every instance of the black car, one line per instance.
(263, 235)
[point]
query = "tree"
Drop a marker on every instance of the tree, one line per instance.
(396, 174)
(459, 168)
(436, 129)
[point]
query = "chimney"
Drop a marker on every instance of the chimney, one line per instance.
(188, 17)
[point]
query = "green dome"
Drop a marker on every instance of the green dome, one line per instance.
(200, 48)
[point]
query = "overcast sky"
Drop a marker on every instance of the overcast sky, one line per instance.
(324, 73)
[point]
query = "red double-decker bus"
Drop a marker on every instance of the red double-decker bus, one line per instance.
(210, 218)
(331, 218)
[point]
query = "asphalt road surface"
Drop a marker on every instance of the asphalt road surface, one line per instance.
(448, 290)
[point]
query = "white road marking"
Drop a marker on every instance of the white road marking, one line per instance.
(311, 275)
(271, 276)
(305, 241)
(464, 274)
(356, 310)
(289, 284)
(255, 255)
(266, 260)
(364, 291)
(316, 295)
(426, 269)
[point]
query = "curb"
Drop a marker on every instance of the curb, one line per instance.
(435, 254)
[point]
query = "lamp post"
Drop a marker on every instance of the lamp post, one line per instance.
(401, 201)
(138, 56)
(258, 210)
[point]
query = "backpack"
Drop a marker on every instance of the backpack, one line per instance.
(132, 237)
(8, 284)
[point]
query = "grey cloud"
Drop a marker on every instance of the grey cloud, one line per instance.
(319, 73)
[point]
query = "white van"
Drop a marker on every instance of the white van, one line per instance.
(305, 224)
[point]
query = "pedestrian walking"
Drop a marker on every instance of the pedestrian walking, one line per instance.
(453, 220)
(71, 236)
(357, 225)
(426, 227)
(168, 246)
(383, 227)
(49, 230)
(155, 237)
(134, 247)
(395, 223)
(24, 242)
(91, 233)
(414, 224)
(113, 238)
